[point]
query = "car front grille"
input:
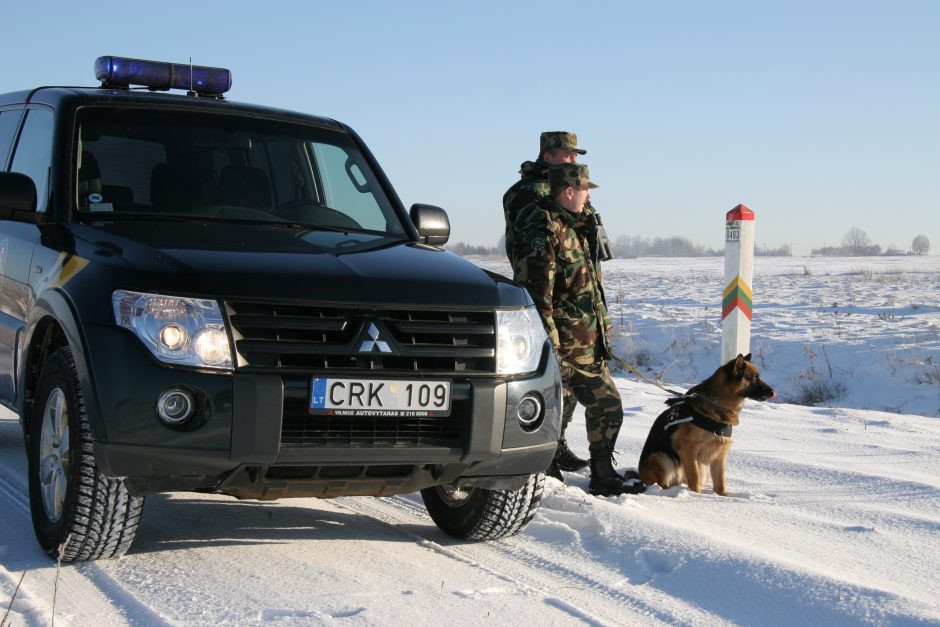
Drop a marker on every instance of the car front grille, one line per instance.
(298, 338)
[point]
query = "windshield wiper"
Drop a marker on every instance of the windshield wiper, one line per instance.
(178, 217)
(161, 217)
(182, 217)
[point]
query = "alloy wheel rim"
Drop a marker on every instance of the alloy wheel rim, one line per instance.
(55, 457)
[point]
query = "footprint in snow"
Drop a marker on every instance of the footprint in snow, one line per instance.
(348, 613)
(272, 614)
(568, 527)
(485, 592)
(652, 564)
(552, 532)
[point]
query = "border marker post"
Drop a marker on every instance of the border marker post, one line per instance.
(736, 301)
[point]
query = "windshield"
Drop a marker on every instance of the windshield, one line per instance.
(178, 165)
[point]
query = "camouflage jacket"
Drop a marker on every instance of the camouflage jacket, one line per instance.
(555, 263)
(531, 187)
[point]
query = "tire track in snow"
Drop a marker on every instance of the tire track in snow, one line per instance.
(33, 599)
(560, 583)
(78, 583)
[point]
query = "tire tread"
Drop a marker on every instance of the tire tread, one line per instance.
(488, 514)
(104, 516)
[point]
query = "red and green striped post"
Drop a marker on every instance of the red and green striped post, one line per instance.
(736, 301)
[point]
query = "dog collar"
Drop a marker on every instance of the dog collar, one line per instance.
(684, 413)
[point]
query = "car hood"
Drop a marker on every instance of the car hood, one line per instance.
(229, 261)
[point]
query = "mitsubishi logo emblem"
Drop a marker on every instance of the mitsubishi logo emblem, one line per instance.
(373, 343)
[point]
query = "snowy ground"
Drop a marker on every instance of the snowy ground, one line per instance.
(833, 516)
(865, 329)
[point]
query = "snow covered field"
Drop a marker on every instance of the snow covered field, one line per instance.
(833, 516)
(865, 329)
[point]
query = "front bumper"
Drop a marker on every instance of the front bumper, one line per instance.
(237, 448)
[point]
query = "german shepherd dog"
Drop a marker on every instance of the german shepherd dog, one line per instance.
(696, 429)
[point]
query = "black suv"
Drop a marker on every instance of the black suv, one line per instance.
(199, 295)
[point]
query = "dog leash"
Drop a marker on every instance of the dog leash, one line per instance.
(680, 396)
(645, 378)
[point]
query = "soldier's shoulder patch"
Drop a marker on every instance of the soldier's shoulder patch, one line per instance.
(542, 188)
(538, 245)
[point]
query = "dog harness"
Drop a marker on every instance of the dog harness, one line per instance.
(681, 413)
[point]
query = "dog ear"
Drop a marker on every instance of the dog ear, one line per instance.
(739, 362)
(747, 357)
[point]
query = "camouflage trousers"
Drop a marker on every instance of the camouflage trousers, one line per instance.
(593, 387)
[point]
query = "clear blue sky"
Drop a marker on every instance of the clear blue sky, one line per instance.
(820, 116)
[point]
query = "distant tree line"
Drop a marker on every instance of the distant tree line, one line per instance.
(626, 247)
(783, 251)
(466, 250)
(856, 243)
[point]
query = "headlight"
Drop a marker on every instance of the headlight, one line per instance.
(177, 330)
(519, 340)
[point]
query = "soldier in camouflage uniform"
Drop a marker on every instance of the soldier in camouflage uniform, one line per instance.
(557, 261)
(555, 147)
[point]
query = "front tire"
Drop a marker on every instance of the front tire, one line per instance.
(77, 512)
(482, 514)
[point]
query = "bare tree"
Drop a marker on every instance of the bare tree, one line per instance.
(856, 242)
(920, 245)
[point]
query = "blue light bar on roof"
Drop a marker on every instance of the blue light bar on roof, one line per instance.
(157, 75)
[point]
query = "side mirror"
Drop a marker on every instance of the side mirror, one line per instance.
(17, 197)
(432, 224)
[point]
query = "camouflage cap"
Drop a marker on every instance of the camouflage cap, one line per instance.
(562, 140)
(570, 175)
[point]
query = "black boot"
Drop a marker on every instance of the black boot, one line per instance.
(554, 472)
(565, 458)
(605, 481)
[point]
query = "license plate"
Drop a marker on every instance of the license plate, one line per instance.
(376, 397)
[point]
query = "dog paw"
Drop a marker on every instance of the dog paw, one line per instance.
(676, 492)
(750, 496)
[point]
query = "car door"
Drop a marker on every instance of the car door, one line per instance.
(32, 156)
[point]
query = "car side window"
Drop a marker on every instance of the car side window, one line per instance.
(9, 121)
(346, 187)
(33, 156)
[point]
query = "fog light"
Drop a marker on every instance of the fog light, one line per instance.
(529, 412)
(175, 406)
